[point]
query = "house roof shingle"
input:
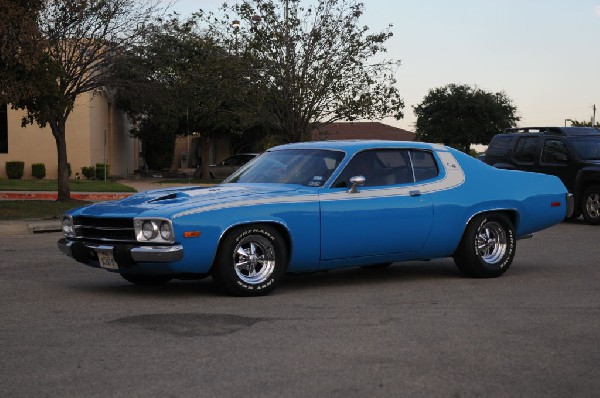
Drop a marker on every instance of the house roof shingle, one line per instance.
(363, 131)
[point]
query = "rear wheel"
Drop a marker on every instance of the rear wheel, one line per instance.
(146, 280)
(590, 205)
(251, 260)
(487, 248)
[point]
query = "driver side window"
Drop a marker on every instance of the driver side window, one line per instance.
(379, 167)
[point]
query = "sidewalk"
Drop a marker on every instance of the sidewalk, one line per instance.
(20, 227)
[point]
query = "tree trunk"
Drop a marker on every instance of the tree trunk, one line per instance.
(58, 131)
(205, 150)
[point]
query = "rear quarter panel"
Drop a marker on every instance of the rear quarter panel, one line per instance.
(528, 197)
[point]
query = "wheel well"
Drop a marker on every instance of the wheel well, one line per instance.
(589, 184)
(511, 214)
(283, 231)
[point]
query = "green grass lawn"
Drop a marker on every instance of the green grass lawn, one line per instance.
(52, 185)
(35, 209)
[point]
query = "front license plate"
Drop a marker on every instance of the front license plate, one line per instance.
(106, 259)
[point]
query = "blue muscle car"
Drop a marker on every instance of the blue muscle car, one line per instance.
(317, 206)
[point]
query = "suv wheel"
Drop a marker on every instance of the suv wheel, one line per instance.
(590, 204)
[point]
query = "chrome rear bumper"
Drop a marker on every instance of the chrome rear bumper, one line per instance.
(570, 205)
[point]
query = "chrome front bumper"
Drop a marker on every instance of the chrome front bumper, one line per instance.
(80, 251)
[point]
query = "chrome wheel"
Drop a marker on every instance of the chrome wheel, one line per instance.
(254, 259)
(251, 260)
(491, 242)
(592, 205)
(488, 246)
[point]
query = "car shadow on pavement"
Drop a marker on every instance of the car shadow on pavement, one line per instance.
(401, 272)
(173, 289)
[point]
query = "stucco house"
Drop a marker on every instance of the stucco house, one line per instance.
(96, 132)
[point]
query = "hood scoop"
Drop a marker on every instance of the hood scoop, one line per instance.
(165, 197)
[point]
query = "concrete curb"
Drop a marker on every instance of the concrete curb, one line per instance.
(20, 227)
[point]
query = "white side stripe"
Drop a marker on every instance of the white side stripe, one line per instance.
(453, 178)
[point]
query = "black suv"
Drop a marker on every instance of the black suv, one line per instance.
(570, 153)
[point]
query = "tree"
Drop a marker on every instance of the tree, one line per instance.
(461, 115)
(76, 42)
(576, 123)
(180, 81)
(316, 64)
(21, 54)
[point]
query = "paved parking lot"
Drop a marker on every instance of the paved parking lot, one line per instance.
(415, 329)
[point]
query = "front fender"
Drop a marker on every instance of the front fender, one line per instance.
(300, 220)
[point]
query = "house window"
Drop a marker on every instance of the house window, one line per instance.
(3, 128)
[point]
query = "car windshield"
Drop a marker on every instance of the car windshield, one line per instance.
(588, 148)
(308, 167)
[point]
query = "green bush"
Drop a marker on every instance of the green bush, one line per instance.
(38, 170)
(100, 171)
(14, 170)
(88, 172)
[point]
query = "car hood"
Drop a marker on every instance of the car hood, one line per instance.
(166, 202)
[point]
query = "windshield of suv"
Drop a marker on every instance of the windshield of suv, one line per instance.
(308, 167)
(588, 148)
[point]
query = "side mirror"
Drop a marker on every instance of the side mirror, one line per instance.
(356, 181)
(561, 157)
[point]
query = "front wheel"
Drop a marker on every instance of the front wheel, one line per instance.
(487, 248)
(251, 260)
(590, 205)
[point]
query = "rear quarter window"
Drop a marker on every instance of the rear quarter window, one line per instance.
(424, 165)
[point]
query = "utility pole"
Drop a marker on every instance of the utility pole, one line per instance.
(594, 116)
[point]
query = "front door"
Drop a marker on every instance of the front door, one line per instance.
(388, 215)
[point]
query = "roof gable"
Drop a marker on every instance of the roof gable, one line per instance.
(362, 131)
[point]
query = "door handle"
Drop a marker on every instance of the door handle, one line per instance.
(416, 192)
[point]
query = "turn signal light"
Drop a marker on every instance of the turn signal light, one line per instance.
(555, 204)
(191, 234)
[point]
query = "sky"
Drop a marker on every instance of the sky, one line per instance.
(544, 54)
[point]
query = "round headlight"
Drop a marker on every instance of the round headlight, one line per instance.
(165, 231)
(67, 225)
(148, 230)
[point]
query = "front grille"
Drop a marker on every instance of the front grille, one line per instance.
(104, 229)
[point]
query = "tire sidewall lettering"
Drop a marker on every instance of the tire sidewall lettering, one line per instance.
(256, 231)
(256, 287)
